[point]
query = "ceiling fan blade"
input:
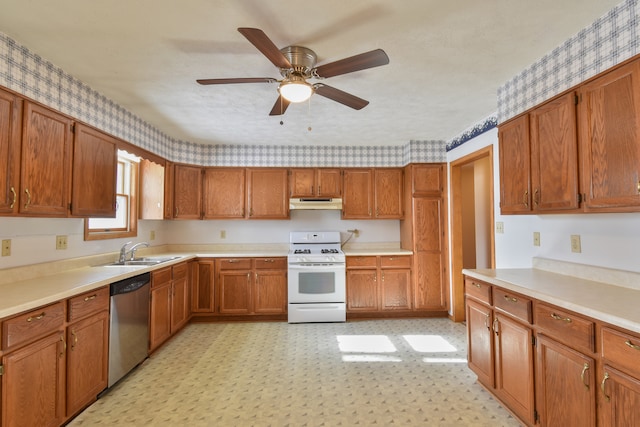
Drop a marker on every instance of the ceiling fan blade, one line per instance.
(279, 107)
(240, 80)
(371, 59)
(341, 96)
(264, 44)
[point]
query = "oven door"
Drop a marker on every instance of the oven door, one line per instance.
(312, 283)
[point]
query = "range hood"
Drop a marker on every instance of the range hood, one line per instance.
(318, 204)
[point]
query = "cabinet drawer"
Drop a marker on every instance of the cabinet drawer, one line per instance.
(271, 263)
(565, 327)
(88, 303)
(478, 290)
(513, 304)
(160, 277)
(28, 326)
(395, 261)
(234, 264)
(179, 271)
(622, 350)
(362, 262)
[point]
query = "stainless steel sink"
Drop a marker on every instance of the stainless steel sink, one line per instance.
(146, 261)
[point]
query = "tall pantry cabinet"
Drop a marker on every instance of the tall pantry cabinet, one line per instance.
(423, 231)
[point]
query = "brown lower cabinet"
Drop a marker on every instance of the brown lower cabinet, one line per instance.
(170, 303)
(54, 360)
(543, 363)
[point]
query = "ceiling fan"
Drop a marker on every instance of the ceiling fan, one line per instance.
(297, 64)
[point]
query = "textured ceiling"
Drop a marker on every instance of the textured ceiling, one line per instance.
(447, 60)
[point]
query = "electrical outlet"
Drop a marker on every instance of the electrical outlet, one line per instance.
(152, 235)
(61, 242)
(575, 243)
(6, 247)
(536, 238)
(223, 234)
(500, 227)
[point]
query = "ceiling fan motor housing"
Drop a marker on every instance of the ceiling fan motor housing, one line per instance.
(301, 58)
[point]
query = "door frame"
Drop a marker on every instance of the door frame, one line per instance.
(457, 280)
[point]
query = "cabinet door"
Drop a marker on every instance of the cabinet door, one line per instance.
(480, 342)
(621, 399)
(33, 384)
(95, 160)
(554, 155)
(329, 182)
(303, 183)
(160, 316)
(267, 193)
(270, 292)
(152, 178)
(179, 303)
(388, 189)
(427, 179)
(566, 386)
(362, 290)
(395, 289)
(87, 364)
(513, 344)
(202, 287)
(187, 192)
(235, 292)
(609, 117)
(224, 193)
(10, 134)
(515, 166)
(357, 202)
(45, 177)
(169, 168)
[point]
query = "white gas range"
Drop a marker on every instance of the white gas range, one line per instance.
(317, 277)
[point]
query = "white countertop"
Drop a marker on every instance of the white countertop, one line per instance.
(610, 303)
(27, 288)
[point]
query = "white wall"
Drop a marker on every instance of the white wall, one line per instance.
(608, 240)
(33, 239)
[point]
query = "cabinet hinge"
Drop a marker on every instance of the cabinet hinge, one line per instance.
(70, 207)
(533, 340)
(579, 198)
(536, 417)
(1, 370)
(576, 99)
(73, 128)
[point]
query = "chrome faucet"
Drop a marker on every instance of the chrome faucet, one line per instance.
(123, 251)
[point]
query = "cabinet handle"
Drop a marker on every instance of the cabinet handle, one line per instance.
(383, 276)
(536, 197)
(633, 346)
(176, 211)
(26, 205)
(38, 317)
(486, 320)
(311, 190)
(495, 326)
(564, 319)
(585, 368)
(604, 380)
(75, 339)
(94, 296)
(375, 279)
(525, 198)
(13, 191)
(512, 299)
(248, 276)
(231, 261)
(638, 187)
(477, 285)
(319, 192)
(269, 260)
(64, 346)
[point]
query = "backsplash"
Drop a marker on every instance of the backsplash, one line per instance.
(608, 41)
(36, 78)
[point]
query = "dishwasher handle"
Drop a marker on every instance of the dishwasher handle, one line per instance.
(131, 284)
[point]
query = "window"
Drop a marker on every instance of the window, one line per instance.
(125, 223)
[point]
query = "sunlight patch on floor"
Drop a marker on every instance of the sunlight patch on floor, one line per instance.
(365, 344)
(429, 344)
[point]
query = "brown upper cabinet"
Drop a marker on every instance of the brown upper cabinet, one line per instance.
(45, 177)
(10, 136)
(152, 178)
(311, 182)
(609, 112)
(579, 152)
(224, 193)
(187, 192)
(267, 193)
(373, 193)
(95, 159)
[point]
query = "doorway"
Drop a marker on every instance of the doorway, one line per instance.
(472, 238)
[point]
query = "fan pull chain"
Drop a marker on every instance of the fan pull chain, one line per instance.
(309, 113)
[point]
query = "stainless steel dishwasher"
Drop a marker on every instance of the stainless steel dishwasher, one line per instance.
(129, 325)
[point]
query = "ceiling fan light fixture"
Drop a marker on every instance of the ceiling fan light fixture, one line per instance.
(295, 89)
